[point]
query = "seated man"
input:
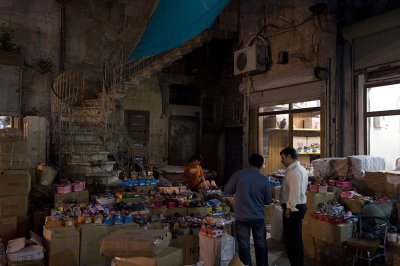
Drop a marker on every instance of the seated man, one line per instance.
(194, 172)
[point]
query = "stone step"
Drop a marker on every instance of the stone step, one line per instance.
(105, 178)
(80, 147)
(87, 156)
(84, 168)
(93, 103)
(79, 127)
(87, 111)
(91, 137)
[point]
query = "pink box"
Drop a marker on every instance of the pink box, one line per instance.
(64, 189)
(323, 189)
(78, 186)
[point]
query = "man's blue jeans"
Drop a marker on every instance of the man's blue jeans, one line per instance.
(257, 227)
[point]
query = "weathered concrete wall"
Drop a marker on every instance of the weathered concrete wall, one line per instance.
(35, 31)
(147, 97)
(309, 39)
(95, 31)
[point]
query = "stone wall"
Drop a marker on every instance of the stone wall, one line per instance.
(95, 32)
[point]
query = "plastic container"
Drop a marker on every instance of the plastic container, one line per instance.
(46, 174)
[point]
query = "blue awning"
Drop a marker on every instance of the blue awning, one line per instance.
(174, 22)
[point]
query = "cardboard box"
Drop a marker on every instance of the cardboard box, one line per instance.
(14, 206)
(62, 246)
(15, 162)
(18, 147)
(135, 243)
(171, 256)
(312, 123)
(8, 228)
(15, 182)
(382, 182)
(216, 251)
(190, 248)
(307, 226)
(91, 235)
(354, 205)
(79, 196)
(331, 233)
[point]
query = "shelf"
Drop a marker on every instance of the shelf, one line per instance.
(307, 129)
(307, 153)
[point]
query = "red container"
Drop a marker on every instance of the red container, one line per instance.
(344, 184)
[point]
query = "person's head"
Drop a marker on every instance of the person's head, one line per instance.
(196, 157)
(288, 156)
(256, 160)
(398, 164)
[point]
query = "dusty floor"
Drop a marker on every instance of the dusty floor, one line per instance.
(277, 255)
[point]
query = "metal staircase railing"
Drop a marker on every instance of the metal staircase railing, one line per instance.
(68, 89)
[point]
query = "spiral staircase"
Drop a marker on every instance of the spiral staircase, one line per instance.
(93, 142)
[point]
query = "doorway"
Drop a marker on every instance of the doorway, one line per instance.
(183, 138)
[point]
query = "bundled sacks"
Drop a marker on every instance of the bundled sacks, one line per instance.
(359, 164)
(351, 166)
(326, 167)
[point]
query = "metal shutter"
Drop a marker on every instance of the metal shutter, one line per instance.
(289, 94)
(10, 78)
(376, 40)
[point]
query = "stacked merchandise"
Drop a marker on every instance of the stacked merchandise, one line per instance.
(138, 247)
(15, 184)
(348, 177)
(324, 226)
(217, 246)
(24, 252)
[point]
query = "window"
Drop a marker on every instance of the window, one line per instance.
(382, 122)
(297, 125)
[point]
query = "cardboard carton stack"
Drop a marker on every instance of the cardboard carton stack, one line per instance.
(382, 183)
(141, 247)
(15, 184)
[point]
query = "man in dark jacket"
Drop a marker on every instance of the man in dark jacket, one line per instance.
(252, 191)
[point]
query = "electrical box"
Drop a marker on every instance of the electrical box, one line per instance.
(251, 60)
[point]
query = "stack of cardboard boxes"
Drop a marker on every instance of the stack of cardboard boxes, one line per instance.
(140, 247)
(15, 184)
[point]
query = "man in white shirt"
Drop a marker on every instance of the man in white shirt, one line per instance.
(293, 199)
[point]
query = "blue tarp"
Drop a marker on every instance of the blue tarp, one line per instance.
(175, 22)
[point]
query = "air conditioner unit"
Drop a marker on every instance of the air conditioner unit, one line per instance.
(251, 59)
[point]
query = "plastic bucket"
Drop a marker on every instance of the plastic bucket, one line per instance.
(46, 174)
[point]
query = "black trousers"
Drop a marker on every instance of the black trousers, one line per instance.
(292, 234)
